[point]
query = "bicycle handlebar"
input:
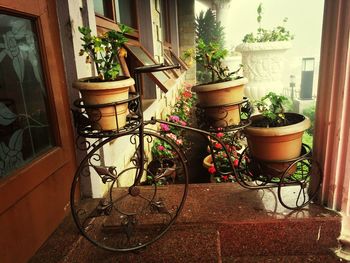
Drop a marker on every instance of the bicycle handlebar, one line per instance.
(155, 68)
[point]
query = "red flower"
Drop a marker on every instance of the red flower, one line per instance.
(224, 177)
(212, 169)
(218, 146)
(235, 163)
(220, 134)
(187, 94)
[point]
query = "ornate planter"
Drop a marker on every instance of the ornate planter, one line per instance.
(96, 93)
(263, 65)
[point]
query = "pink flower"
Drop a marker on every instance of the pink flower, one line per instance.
(164, 127)
(161, 148)
(179, 142)
(212, 169)
(220, 134)
(182, 123)
(171, 136)
(174, 118)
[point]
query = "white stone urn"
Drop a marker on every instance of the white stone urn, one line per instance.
(263, 65)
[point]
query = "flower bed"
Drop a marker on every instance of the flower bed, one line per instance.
(180, 115)
(220, 168)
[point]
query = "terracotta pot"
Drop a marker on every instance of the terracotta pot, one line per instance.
(263, 65)
(222, 93)
(208, 162)
(94, 93)
(219, 101)
(277, 143)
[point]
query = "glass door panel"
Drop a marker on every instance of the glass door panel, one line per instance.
(25, 131)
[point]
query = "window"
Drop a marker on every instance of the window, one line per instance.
(25, 131)
(127, 12)
(104, 8)
(121, 11)
(165, 22)
(162, 79)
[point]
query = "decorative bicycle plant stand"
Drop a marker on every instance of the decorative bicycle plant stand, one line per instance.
(291, 177)
(143, 201)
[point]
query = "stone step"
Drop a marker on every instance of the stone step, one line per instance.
(219, 223)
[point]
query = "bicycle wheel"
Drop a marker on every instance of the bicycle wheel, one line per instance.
(140, 201)
(300, 183)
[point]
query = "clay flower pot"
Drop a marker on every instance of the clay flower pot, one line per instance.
(220, 101)
(97, 92)
(221, 93)
(276, 144)
(207, 163)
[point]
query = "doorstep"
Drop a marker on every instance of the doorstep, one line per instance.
(219, 223)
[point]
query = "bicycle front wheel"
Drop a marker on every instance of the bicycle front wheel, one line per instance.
(142, 194)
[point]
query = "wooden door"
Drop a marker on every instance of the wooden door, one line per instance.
(37, 159)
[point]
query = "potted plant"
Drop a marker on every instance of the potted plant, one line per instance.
(275, 135)
(108, 86)
(221, 96)
(208, 30)
(263, 58)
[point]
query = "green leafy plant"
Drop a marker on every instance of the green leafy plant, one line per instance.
(280, 33)
(211, 56)
(188, 56)
(208, 29)
(272, 107)
(310, 112)
(210, 51)
(161, 149)
(103, 50)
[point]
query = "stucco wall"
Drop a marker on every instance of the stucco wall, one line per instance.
(186, 16)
